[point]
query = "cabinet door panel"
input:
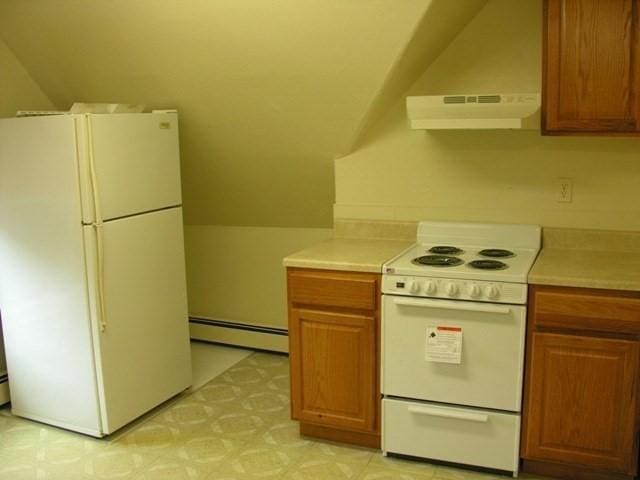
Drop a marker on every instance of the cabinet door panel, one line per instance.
(581, 401)
(591, 66)
(333, 365)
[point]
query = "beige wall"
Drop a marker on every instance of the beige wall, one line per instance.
(440, 23)
(236, 273)
(503, 176)
(18, 91)
(268, 92)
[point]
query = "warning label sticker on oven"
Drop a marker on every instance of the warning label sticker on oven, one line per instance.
(444, 344)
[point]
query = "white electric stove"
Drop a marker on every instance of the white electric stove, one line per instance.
(453, 331)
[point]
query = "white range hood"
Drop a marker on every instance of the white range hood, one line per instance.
(496, 111)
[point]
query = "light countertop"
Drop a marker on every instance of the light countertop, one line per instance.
(588, 258)
(569, 257)
(585, 268)
(354, 254)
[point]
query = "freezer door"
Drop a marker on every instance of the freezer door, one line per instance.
(142, 343)
(130, 163)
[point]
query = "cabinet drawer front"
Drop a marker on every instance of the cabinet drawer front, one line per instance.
(333, 289)
(468, 436)
(575, 310)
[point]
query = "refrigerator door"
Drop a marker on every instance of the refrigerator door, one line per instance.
(129, 164)
(142, 337)
(4, 382)
(3, 362)
(43, 289)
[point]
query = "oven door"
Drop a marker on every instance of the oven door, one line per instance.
(490, 370)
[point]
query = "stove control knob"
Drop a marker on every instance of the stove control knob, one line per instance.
(492, 291)
(414, 287)
(474, 290)
(452, 289)
(430, 287)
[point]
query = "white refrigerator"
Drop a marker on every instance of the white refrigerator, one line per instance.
(4, 379)
(92, 275)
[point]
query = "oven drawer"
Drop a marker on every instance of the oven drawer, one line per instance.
(489, 374)
(461, 435)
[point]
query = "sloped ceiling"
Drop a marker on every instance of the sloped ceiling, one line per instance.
(440, 24)
(17, 88)
(269, 92)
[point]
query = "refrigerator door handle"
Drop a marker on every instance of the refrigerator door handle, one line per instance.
(94, 177)
(100, 272)
(97, 225)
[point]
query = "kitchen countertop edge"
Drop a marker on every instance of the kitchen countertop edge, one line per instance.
(610, 270)
(556, 265)
(348, 254)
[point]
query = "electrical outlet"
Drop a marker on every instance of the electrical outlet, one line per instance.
(565, 190)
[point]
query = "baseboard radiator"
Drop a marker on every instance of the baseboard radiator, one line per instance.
(239, 334)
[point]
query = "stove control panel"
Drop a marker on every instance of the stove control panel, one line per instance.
(455, 289)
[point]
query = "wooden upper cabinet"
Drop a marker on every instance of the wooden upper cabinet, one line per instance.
(591, 74)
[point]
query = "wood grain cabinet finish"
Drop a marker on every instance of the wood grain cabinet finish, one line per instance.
(591, 67)
(581, 406)
(334, 354)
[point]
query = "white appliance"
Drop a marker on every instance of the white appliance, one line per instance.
(4, 378)
(92, 274)
(453, 337)
(472, 111)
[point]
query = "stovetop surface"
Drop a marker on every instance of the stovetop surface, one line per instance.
(461, 265)
(507, 251)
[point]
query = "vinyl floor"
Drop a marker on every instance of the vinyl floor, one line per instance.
(235, 427)
(208, 360)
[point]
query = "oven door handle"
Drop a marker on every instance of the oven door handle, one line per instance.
(448, 305)
(455, 414)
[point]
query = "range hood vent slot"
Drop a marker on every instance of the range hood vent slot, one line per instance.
(456, 99)
(448, 99)
(495, 111)
(488, 98)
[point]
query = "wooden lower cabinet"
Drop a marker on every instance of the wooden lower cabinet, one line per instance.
(334, 354)
(581, 406)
